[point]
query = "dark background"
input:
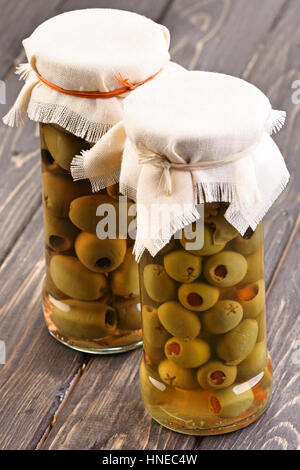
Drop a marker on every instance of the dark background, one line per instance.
(54, 398)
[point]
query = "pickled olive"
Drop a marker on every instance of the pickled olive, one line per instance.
(153, 331)
(211, 209)
(75, 280)
(255, 270)
(225, 269)
(179, 321)
(59, 233)
(125, 279)
(62, 145)
(228, 404)
(254, 362)
(216, 375)
(261, 321)
(209, 247)
(252, 298)
(172, 245)
(222, 317)
(266, 380)
(176, 376)
(158, 285)
(83, 213)
(153, 389)
(100, 255)
(85, 320)
(183, 266)
(223, 231)
(48, 162)
(153, 355)
(189, 354)
(49, 288)
(59, 190)
(198, 296)
(129, 313)
(236, 345)
(247, 246)
(113, 191)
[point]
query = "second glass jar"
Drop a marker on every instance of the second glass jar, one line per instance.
(91, 289)
(206, 368)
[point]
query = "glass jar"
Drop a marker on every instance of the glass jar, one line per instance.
(206, 368)
(91, 289)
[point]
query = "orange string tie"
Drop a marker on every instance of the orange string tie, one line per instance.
(127, 86)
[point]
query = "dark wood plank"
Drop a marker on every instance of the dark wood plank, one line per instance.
(19, 176)
(38, 371)
(17, 21)
(110, 413)
(220, 36)
(152, 9)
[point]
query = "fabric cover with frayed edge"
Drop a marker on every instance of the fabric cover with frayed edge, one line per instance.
(192, 138)
(85, 50)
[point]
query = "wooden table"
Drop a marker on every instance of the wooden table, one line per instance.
(54, 398)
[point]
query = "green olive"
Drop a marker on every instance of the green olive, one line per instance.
(234, 346)
(59, 233)
(198, 296)
(85, 320)
(75, 280)
(113, 191)
(153, 331)
(189, 354)
(252, 298)
(158, 285)
(228, 404)
(100, 255)
(211, 209)
(209, 247)
(247, 246)
(49, 288)
(59, 190)
(216, 375)
(125, 279)
(179, 321)
(222, 317)
(225, 269)
(129, 313)
(83, 214)
(266, 380)
(254, 362)
(153, 390)
(261, 321)
(255, 269)
(223, 231)
(176, 376)
(172, 245)
(153, 355)
(183, 266)
(63, 146)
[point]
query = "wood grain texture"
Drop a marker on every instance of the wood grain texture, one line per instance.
(152, 9)
(105, 411)
(20, 175)
(38, 370)
(219, 35)
(17, 21)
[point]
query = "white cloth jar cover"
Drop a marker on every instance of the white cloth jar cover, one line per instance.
(197, 137)
(87, 50)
